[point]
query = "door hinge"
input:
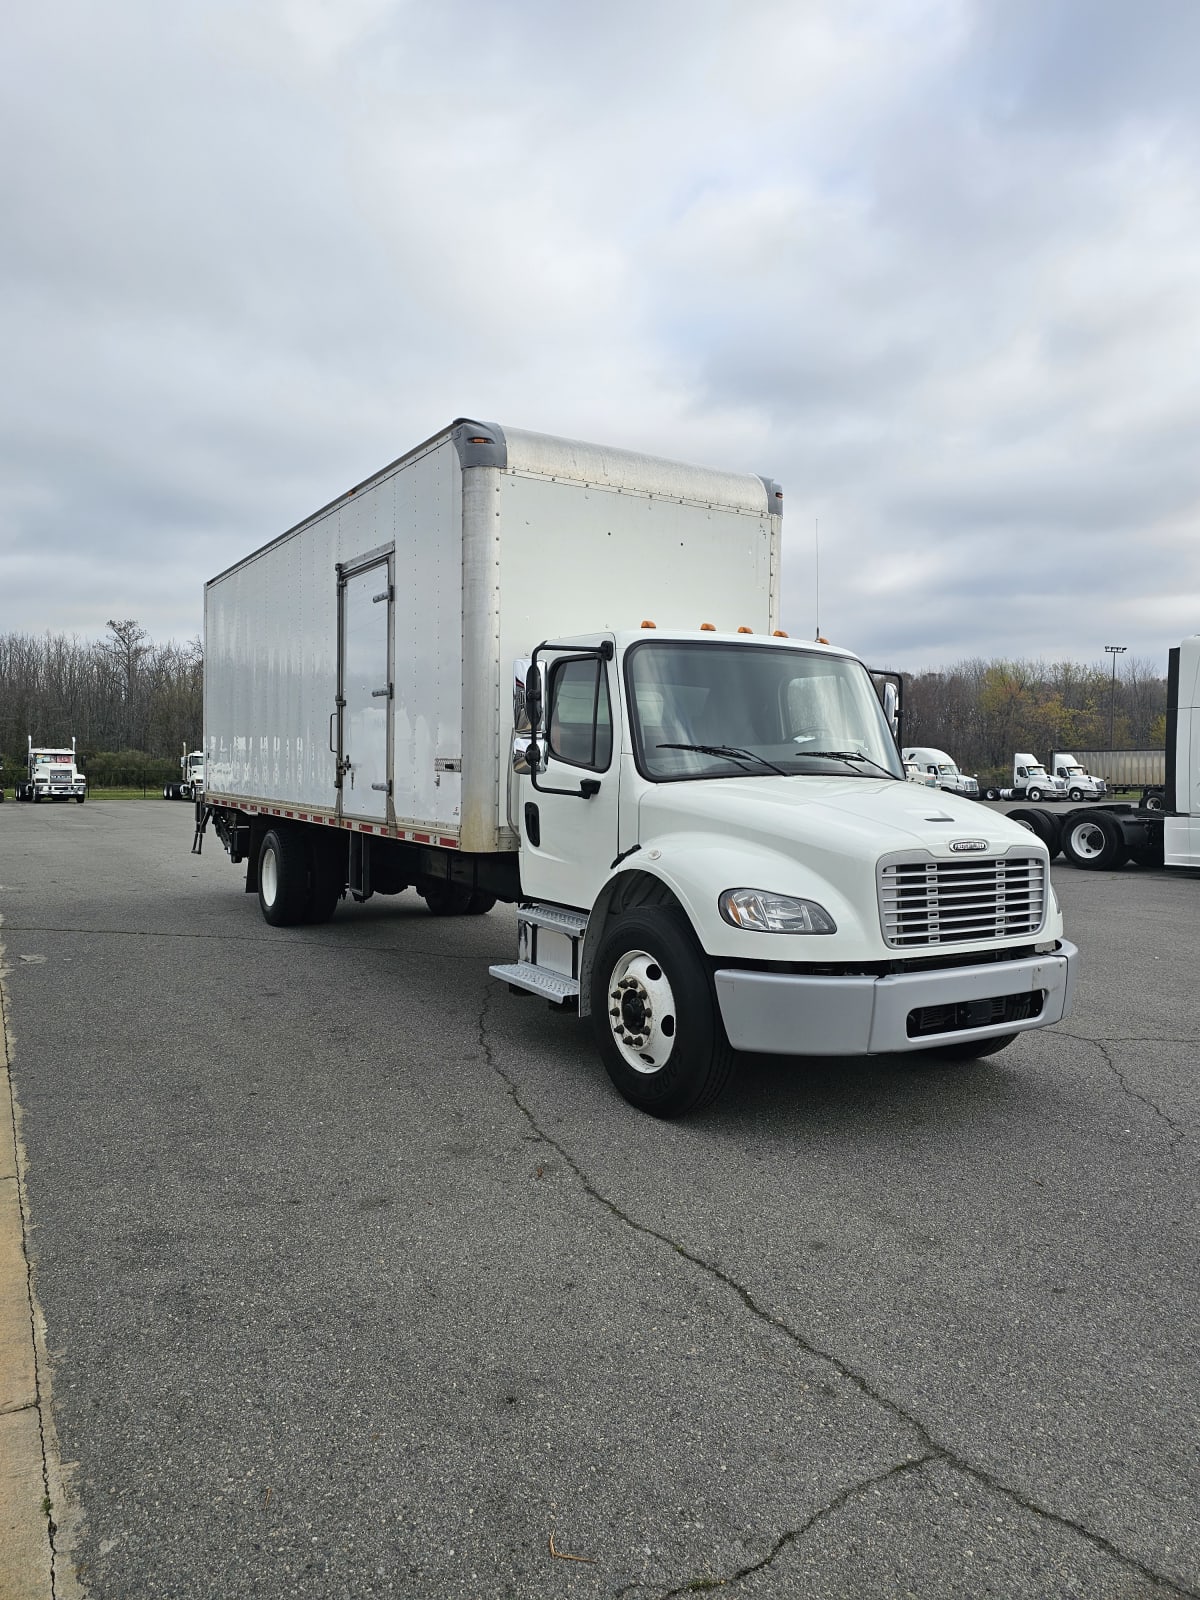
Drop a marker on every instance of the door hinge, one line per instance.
(385, 594)
(382, 694)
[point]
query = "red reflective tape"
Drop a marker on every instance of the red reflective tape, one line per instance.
(421, 838)
(365, 827)
(450, 844)
(287, 813)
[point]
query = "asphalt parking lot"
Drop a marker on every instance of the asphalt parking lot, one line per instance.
(360, 1280)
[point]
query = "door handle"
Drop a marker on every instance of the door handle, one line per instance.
(332, 746)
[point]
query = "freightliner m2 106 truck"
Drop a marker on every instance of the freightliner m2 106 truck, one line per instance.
(522, 668)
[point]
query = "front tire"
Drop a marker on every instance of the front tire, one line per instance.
(1075, 795)
(1034, 794)
(283, 886)
(655, 1016)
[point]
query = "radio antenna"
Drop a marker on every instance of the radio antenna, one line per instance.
(818, 635)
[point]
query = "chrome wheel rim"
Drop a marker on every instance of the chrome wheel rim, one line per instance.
(641, 1012)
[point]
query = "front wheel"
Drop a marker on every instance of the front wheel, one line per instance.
(655, 1015)
(1034, 794)
(1075, 794)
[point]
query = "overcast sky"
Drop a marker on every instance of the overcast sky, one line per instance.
(933, 264)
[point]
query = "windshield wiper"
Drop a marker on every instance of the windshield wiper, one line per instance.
(848, 755)
(731, 752)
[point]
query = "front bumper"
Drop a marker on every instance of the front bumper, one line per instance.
(788, 1014)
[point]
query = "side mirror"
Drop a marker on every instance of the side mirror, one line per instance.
(891, 701)
(533, 697)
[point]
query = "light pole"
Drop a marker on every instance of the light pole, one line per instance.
(1114, 650)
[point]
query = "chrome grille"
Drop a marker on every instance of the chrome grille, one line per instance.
(923, 901)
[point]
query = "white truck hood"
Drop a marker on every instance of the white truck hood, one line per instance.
(848, 817)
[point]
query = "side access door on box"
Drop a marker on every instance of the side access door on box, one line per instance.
(366, 676)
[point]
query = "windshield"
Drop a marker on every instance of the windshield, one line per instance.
(754, 709)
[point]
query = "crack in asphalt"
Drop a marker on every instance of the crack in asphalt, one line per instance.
(1178, 1132)
(934, 1448)
(790, 1537)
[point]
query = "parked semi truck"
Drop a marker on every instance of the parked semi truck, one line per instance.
(522, 668)
(191, 774)
(1076, 780)
(944, 770)
(52, 775)
(1164, 829)
(1030, 781)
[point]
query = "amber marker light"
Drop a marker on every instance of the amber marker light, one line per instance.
(745, 630)
(779, 634)
(707, 627)
(646, 624)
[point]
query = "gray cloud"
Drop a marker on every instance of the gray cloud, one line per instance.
(931, 263)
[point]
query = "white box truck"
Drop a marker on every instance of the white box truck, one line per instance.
(511, 666)
(943, 770)
(1164, 829)
(52, 775)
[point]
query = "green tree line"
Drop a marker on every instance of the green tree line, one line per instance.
(982, 712)
(132, 704)
(129, 703)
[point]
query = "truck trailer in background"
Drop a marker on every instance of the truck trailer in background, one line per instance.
(1129, 771)
(517, 667)
(1164, 829)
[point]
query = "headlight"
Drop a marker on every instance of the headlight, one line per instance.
(761, 912)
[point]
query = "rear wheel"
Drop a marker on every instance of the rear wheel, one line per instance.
(447, 899)
(480, 904)
(327, 881)
(655, 1016)
(971, 1049)
(283, 887)
(1095, 843)
(1041, 824)
(991, 794)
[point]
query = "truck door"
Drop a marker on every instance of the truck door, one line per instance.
(568, 837)
(365, 689)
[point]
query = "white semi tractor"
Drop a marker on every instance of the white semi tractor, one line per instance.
(1164, 830)
(943, 770)
(1077, 782)
(523, 668)
(52, 775)
(191, 774)
(1030, 781)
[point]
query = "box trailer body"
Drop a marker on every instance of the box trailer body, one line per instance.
(943, 769)
(1126, 769)
(359, 667)
(1164, 828)
(520, 667)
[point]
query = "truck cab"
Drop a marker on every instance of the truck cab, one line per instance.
(942, 770)
(52, 775)
(1074, 779)
(1031, 781)
(718, 850)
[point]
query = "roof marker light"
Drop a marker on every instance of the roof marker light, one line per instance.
(649, 624)
(745, 630)
(707, 627)
(779, 634)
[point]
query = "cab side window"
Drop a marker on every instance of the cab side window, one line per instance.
(579, 725)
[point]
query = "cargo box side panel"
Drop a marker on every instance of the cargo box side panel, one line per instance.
(576, 558)
(270, 673)
(426, 513)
